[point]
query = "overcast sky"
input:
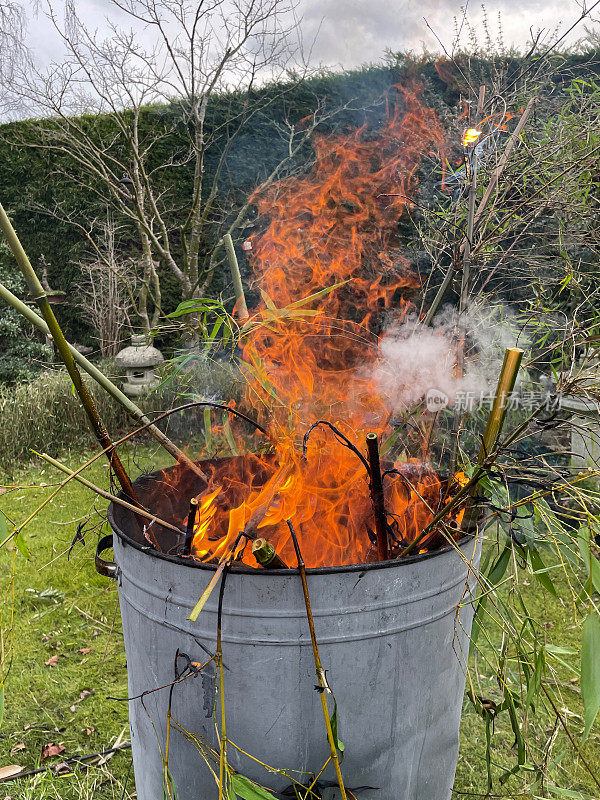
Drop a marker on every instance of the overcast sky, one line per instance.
(351, 32)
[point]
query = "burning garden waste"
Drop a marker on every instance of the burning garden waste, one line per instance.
(311, 365)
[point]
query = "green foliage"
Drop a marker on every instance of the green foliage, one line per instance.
(43, 414)
(21, 353)
(590, 669)
(246, 789)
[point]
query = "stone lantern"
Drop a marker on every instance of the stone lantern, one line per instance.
(585, 433)
(138, 360)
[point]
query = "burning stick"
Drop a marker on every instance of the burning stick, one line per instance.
(321, 677)
(266, 555)
(189, 530)
(376, 488)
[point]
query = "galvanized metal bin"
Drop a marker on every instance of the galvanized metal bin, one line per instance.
(392, 637)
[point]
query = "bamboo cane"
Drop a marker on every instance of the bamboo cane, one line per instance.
(321, 677)
(236, 276)
(376, 487)
(39, 295)
(141, 512)
(266, 555)
(134, 411)
(506, 383)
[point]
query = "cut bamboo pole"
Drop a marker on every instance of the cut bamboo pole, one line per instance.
(266, 555)
(241, 306)
(134, 411)
(321, 676)
(506, 383)
(376, 489)
(40, 296)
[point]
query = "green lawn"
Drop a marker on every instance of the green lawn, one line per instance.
(65, 613)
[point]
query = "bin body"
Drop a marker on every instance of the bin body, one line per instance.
(392, 637)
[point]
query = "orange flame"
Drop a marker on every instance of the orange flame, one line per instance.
(334, 228)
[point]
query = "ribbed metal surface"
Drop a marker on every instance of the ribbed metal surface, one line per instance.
(391, 639)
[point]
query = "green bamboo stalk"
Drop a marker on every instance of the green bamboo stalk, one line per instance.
(134, 411)
(321, 676)
(506, 383)
(266, 555)
(236, 276)
(141, 512)
(39, 295)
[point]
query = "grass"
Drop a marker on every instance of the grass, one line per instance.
(62, 607)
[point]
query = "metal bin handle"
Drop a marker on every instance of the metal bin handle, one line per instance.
(107, 568)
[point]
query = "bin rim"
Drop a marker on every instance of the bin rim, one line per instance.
(245, 570)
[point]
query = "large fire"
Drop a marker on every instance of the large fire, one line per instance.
(334, 227)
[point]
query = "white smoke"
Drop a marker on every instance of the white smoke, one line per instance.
(416, 360)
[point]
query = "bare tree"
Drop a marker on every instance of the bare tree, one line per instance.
(197, 49)
(12, 49)
(107, 294)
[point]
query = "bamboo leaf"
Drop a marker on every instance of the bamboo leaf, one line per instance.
(540, 570)
(248, 790)
(590, 669)
(303, 301)
(22, 547)
(591, 564)
(268, 302)
(334, 727)
(169, 787)
(493, 578)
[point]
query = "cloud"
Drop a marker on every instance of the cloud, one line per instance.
(353, 32)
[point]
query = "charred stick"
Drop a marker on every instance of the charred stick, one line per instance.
(266, 555)
(376, 489)
(321, 677)
(190, 528)
(340, 437)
